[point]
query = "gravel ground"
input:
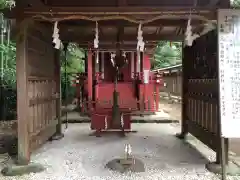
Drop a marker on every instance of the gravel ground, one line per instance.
(79, 156)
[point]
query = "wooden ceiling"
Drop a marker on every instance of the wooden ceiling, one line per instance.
(115, 3)
(162, 19)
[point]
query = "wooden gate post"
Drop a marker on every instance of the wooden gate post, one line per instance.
(22, 93)
(184, 117)
(57, 71)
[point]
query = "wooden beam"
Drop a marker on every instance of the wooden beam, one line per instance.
(108, 3)
(132, 47)
(122, 2)
(120, 34)
(113, 23)
(90, 3)
(37, 3)
(123, 10)
(224, 4)
(22, 94)
(146, 38)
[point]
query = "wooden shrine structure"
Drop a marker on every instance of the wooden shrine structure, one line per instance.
(38, 65)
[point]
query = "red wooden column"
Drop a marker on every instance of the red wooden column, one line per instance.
(132, 65)
(90, 77)
(22, 94)
(78, 88)
(146, 86)
(102, 64)
(157, 96)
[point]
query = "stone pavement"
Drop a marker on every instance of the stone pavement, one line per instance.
(171, 111)
(80, 156)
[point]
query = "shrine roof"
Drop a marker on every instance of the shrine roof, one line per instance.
(161, 19)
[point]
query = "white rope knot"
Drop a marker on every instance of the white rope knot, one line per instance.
(96, 41)
(140, 43)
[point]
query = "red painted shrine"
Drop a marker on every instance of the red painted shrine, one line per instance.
(137, 91)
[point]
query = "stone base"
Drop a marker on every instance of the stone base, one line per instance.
(111, 132)
(56, 137)
(231, 169)
(126, 165)
(13, 170)
(180, 136)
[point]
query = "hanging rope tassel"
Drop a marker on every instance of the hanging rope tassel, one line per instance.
(96, 41)
(106, 123)
(122, 121)
(97, 57)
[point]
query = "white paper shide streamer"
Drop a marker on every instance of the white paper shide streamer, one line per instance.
(140, 43)
(11, 4)
(189, 36)
(113, 55)
(55, 36)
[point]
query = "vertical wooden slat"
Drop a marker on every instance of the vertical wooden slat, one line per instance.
(203, 120)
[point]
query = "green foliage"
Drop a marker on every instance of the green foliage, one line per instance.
(73, 64)
(167, 55)
(74, 59)
(9, 63)
(7, 4)
(8, 79)
(235, 4)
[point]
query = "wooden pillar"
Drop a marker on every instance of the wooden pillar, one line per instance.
(86, 62)
(58, 90)
(132, 64)
(102, 64)
(138, 61)
(22, 93)
(186, 57)
(90, 76)
(97, 63)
